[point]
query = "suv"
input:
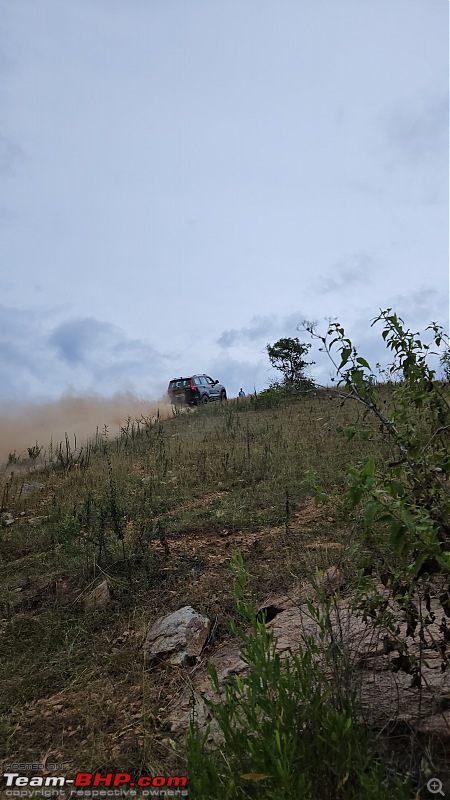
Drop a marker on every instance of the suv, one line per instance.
(196, 390)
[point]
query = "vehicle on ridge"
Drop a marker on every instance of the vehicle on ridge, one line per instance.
(195, 391)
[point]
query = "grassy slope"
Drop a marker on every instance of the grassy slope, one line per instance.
(158, 512)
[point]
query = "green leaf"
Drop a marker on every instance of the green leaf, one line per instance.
(350, 432)
(363, 362)
(369, 513)
(418, 563)
(398, 535)
(443, 560)
(369, 467)
(345, 355)
(395, 488)
(214, 677)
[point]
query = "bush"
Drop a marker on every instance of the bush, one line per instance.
(408, 497)
(289, 731)
(271, 397)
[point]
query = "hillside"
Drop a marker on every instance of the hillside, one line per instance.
(157, 513)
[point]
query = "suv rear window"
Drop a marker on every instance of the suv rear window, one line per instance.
(183, 383)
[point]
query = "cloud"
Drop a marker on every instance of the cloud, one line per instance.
(39, 359)
(416, 150)
(259, 326)
(420, 136)
(347, 273)
(76, 341)
(259, 329)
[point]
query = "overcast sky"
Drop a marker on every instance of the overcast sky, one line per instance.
(184, 181)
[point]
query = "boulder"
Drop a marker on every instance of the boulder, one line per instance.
(177, 638)
(381, 664)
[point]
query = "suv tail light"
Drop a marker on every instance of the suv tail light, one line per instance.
(193, 386)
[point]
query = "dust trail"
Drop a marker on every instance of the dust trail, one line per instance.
(21, 427)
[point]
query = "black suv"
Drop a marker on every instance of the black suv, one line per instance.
(195, 391)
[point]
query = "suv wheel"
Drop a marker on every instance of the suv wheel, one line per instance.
(204, 400)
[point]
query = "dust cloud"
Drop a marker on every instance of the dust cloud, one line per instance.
(78, 416)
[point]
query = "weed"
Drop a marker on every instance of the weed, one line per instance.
(288, 730)
(34, 451)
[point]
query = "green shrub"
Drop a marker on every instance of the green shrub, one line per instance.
(407, 498)
(271, 397)
(289, 731)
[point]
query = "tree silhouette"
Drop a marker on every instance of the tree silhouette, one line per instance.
(288, 357)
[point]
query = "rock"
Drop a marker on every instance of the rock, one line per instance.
(227, 661)
(332, 581)
(29, 488)
(177, 637)
(6, 519)
(99, 597)
(385, 677)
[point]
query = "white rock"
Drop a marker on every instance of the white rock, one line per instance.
(177, 637)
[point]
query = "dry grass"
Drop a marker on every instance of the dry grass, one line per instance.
(157, 512)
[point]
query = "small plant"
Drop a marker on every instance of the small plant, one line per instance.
(67, 457)
(34, 451)
(288, 730)
(445, 364)
(408, 497)
(271, 397)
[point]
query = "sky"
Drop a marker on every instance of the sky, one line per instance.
(183, 182)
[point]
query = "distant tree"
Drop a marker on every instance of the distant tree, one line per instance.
(445, 364)
(288, 357)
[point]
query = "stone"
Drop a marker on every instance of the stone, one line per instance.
(386, 678)
(332, 581)
(97, 598)
(177, 638)
(29, 488)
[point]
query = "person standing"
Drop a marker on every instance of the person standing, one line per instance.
(241, 392)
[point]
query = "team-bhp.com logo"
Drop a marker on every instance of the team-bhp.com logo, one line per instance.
(88, 784)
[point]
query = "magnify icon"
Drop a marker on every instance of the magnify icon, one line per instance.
(434, 786)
